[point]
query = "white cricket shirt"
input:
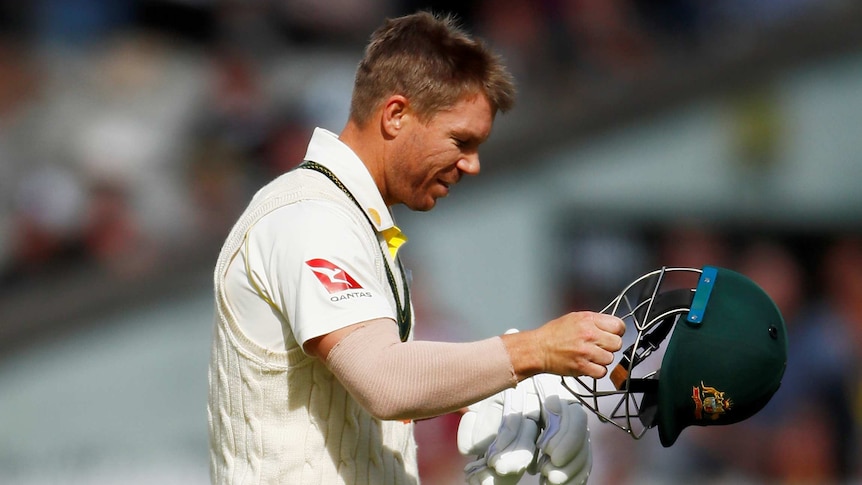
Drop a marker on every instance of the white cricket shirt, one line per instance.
(307, 268)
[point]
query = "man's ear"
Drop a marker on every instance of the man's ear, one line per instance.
(395, 112)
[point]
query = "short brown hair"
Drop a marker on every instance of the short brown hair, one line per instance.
(432, 62)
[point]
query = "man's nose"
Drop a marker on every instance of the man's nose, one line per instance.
(469, 164)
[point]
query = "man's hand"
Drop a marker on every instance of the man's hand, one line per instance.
(575, 344)
(503, 431)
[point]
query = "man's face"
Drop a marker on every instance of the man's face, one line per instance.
(431, 157)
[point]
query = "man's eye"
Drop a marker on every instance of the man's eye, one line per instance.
(460, 143)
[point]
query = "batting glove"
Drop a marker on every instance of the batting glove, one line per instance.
(564, 452)
(503, 430)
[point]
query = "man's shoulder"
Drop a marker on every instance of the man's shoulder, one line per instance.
(293, 181)
(298, 206)
(294, 187)
(308, 214)
(311, 226)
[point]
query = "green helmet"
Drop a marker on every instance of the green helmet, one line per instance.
(724, 359)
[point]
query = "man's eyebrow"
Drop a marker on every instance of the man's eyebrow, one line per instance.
(469, 137)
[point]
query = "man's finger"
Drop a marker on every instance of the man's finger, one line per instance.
(611, 343)
(611, 324)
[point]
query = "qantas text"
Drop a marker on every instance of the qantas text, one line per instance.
(351, 295)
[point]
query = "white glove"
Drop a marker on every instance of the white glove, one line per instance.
(501, 430)
(565, 456)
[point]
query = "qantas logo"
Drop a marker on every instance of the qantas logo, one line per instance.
(333, 278)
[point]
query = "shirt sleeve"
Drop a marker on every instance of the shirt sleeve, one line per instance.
(317, 267)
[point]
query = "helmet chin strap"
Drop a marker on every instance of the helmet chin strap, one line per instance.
(667, 308)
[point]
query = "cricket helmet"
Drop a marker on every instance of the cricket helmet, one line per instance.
(725, 355)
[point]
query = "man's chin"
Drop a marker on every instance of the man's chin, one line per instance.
(424, 205)
(425, 208)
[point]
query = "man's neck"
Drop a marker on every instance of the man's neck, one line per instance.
(371, 151)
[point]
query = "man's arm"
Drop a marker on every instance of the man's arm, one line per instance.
(392, 379)
(321, 346)
(412, 380)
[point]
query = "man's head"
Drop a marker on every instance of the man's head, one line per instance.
(425, 98)
(430, 61)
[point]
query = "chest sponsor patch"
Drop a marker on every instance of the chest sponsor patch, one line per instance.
(333, 278)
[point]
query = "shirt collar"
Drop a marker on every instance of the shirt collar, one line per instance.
(326, 149)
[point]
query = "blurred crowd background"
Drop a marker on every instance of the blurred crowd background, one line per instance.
(132, 132)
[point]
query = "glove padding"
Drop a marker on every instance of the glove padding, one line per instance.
(564, 453)
(479, 473)
(502, 431)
